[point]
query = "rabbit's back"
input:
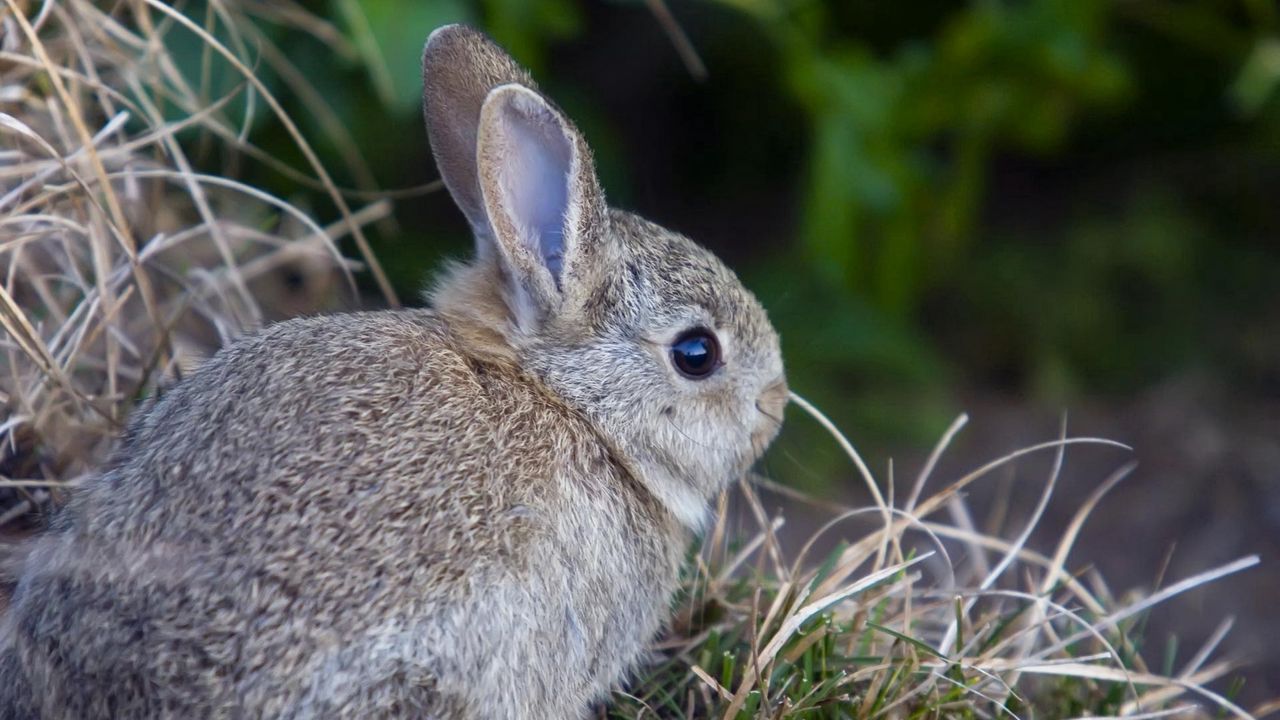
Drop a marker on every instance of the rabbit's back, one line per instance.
(343, 514)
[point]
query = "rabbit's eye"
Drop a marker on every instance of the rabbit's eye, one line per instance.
(696, 353)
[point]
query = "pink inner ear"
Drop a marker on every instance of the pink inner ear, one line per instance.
(534, 177)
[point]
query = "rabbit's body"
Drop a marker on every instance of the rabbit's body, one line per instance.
(474, 511)
(360, 522)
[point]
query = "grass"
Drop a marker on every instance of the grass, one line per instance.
(917, 618)
(123, 265)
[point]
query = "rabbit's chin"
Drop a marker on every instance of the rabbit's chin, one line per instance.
(761, 437)
(689, 500)
(688, 503)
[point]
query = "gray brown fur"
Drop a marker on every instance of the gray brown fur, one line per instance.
(473, 511)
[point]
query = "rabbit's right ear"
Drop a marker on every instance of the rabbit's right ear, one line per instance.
(459, 68)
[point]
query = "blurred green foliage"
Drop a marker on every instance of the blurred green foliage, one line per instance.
(884, 208)
(1046, 197)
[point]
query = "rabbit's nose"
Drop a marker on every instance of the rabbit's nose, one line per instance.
(773, 400)
(770, 405)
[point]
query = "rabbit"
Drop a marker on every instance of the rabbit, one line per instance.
(475, 510)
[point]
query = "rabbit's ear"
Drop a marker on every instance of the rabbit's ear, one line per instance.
(543, 200)
(459, 68)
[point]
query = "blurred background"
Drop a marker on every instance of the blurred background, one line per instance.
(1015, 209)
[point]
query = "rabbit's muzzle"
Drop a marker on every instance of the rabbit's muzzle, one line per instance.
(770, 404)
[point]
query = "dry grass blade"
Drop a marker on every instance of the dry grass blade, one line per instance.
(1204, 578)
(291, 127)
(124, 264)
(927, 471)
(688, 53)
(995, 573)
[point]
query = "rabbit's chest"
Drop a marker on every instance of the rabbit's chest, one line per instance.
(596, 586)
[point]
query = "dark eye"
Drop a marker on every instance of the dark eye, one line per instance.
(695, 353)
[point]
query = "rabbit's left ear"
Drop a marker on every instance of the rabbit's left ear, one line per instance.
(542, 200)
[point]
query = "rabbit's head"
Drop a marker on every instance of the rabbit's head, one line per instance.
(635, 326)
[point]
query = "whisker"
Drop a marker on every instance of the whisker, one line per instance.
(688, 437)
